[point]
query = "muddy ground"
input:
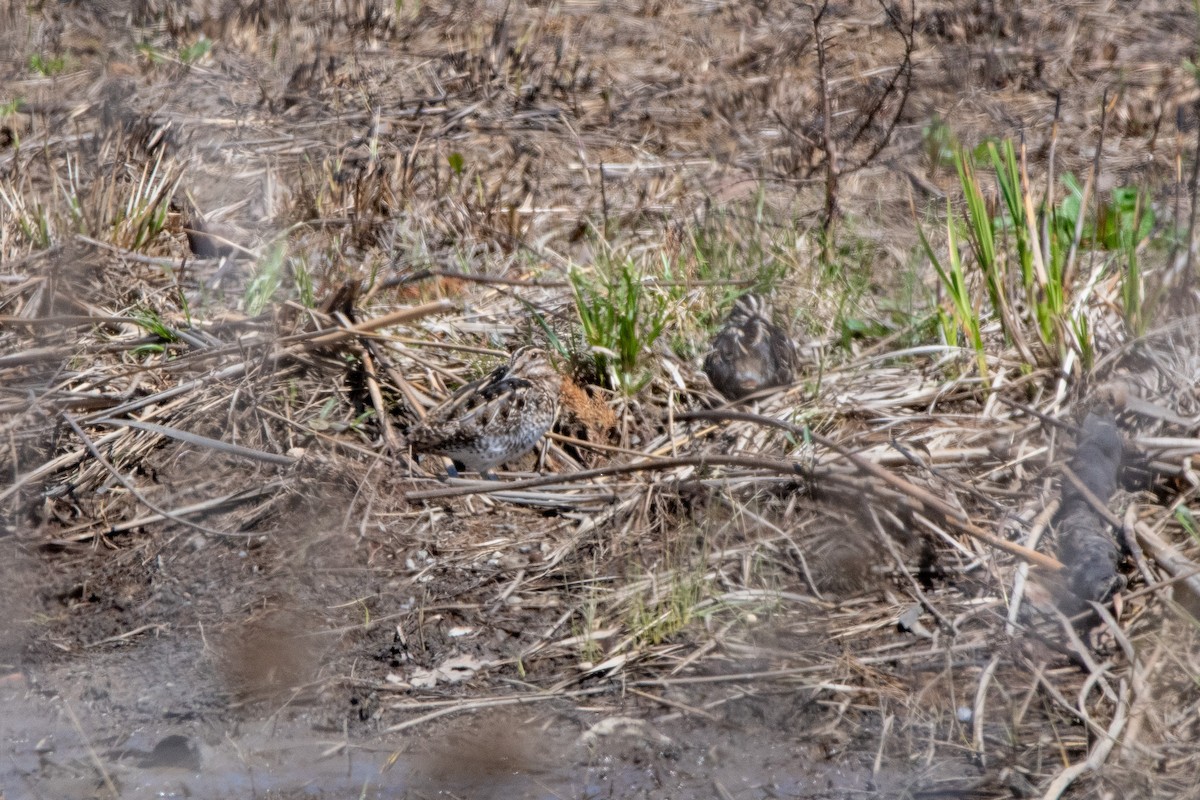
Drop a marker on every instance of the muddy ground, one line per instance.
(327, 635)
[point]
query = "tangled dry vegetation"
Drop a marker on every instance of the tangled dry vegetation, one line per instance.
(245, 247)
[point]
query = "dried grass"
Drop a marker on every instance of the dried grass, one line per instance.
(844, 542)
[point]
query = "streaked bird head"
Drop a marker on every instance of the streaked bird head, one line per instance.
(533, 364)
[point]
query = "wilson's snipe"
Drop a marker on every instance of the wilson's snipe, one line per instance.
(496, 418)
(751, 352)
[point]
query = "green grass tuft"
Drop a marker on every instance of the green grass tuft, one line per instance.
(621, 318)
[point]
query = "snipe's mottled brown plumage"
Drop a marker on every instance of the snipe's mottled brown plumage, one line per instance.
(750, 352)
(496, 418)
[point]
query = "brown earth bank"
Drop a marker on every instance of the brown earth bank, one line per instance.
(223, 576)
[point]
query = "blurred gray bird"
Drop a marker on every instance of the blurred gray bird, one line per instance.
(750, 352)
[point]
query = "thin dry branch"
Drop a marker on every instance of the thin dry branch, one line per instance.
(1099, 752)
(133, 490)
(926, 498)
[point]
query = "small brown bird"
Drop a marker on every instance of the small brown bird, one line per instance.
(750, 352)
(493, 419)
(209, 239)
